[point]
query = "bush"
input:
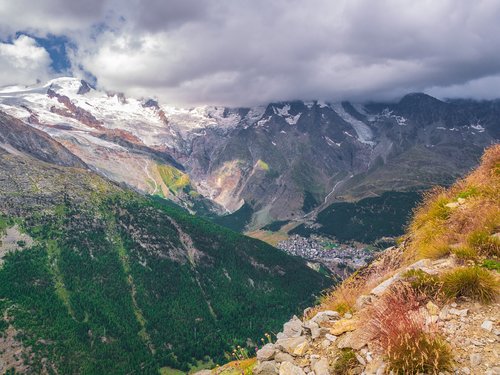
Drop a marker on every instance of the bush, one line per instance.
(423, 283)
(484, 243)
(419, 354)
(410, 346)
(473, 282)
(345, 363)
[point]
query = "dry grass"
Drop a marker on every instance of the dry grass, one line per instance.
(343, 297)
(398, 324)
(419, 354)
(466, 214)
(476, 283)
(423, 284)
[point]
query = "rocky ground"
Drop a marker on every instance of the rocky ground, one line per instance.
(315, 345)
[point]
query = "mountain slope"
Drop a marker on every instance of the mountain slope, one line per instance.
(282, 161)
(428, 306)
(114, 282)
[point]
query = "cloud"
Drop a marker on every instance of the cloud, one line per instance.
(23, 62)
(242, 53)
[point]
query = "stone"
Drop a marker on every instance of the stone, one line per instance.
(475, 359)
(457, 312)
(348, 316)
(465, 370)
(493, 371)
(432, 308)
(487, 325)
(266, 368)
(326, 343)
(452, 205)
(360, 359)
(324, 316)
(342, 326)
(300, 349)
(353, 340)
(321, 367)
(266, 353)
(288, 368)
(382, 287)
(330, 337)
(283, 357)
(293, 328)
(290, 344)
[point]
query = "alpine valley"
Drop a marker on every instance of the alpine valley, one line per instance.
(114, 255)
(305, 164)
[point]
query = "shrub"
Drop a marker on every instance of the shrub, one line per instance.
(473, 282)
(423, 283)
(398, 324)
(484, 243)
(419, 354)
(345, 363)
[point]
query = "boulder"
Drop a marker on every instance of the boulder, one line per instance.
(291, 344)
(283, 357)
(353, 340)
(325, 316)
(266, 368)
(320, 367)
(293, 328)
(266, 353)
(288, 368)
(301, 349)
(342, 326)
(382, 287)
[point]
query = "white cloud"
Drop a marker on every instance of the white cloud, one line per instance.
(244, 52)
(23, 62)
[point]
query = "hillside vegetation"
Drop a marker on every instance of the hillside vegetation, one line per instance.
(118, 283)
(429, 305)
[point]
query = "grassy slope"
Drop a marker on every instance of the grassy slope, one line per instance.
(460, 221)
(110, 286)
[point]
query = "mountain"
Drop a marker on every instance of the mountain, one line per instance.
(279, 162)
(98, 279)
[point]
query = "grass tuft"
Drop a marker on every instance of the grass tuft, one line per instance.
(484, 243)
(398, 323)
(423, 283)
(419, 354)
(465, 253)
(472, 282)
(345, 363)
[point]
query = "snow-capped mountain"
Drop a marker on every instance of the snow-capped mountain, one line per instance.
(285, 160)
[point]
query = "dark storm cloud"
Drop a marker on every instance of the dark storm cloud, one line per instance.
(246, 52)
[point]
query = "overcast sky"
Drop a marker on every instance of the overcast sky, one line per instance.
(245, 52)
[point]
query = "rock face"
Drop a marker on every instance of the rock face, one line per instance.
(237, 155)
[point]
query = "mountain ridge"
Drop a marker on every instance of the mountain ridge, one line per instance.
(315, 153)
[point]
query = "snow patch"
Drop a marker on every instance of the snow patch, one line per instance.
(477, 127)
(363, 131)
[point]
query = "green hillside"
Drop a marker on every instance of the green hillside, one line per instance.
(121, 283)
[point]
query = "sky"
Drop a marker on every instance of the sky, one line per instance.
(242, 53)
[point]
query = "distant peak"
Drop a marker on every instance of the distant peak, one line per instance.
(85, 87)
(418, 97)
